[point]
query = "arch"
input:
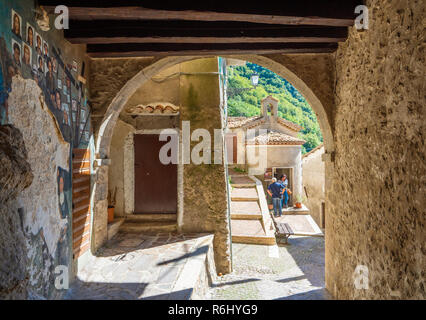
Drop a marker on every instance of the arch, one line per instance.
(106, 128)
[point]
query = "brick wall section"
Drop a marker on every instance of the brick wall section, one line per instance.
(375, 213)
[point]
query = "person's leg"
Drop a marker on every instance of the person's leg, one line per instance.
(285, 198)
(280, 209)
(276, 203)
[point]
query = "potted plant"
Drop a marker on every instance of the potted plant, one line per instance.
(298, 202)
(111, 204)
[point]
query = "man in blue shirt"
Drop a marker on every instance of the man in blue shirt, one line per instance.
(276, 190)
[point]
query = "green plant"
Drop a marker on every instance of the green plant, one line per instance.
(240, 170)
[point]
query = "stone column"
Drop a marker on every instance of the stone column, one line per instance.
(100, 204)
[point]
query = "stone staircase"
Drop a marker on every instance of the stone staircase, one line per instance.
(150, 223)
(250, 220)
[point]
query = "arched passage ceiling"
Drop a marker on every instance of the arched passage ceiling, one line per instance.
(125, 29)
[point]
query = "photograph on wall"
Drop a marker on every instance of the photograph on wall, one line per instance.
(40, 65)
(74, 105)
(45, 49)
(59, 84)
(16, 24)
(63, 186)
(16, 49)
(27, 55)
(38, 43)
(54, 64)
(30, 35)
(68, 98)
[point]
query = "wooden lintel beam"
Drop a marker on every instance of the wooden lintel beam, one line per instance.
(139, 13)
(135, 50)
(103, 40)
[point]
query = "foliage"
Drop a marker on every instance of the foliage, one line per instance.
(292, 105)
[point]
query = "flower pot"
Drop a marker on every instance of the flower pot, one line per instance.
(110, 214)
(298, 205)
(270, 206)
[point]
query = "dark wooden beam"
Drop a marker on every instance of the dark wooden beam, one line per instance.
(97, 32)
(301, 12)
(179, 49)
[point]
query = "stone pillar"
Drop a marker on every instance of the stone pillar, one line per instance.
(100, 204)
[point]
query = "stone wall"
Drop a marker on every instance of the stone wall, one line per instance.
(313, 172)
(375, 213)
(41, 95)
(15, 176)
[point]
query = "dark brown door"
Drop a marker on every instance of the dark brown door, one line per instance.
(155, 183)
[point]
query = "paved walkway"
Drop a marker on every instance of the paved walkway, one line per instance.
(294, 271)
(133, 266)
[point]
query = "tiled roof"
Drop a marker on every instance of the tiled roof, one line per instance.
(275, 138)
(289, 124)
(153, 108)
(238, 122)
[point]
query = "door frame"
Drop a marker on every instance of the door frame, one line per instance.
(291, 179)
(129, 173)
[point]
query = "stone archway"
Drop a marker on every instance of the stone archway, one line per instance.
(106, 128)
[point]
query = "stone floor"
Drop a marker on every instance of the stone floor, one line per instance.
(293, 272)
(134, 266)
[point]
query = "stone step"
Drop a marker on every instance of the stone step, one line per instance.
(245, 207)
(250, 232)
(171, 217)
(148, 227)
(242, 180)
(244, 194)
(246, 216)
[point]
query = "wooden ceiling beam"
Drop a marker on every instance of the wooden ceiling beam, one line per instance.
(197, 32)
(159, 49)
(302, 15)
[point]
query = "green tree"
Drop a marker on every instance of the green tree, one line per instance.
(292, 105)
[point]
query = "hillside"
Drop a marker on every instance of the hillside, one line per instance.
(292, 105)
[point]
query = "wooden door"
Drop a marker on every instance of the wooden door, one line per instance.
(231, 148)
(155, 183)
(81, 218)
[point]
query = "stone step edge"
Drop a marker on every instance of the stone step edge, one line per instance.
(246, 216)
(252, 239)
(244, 199)
(194, 270)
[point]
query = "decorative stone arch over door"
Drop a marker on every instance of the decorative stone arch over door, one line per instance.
(106, 128)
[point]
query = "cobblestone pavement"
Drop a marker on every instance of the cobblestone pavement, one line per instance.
(132, 266)
(293, 271)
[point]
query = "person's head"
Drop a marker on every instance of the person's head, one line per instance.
(26, 55)
(283, 177)
(16, 24)
(274, 179)
(16, 52)
(30, 36)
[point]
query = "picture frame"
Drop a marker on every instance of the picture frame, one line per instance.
(16, 24)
